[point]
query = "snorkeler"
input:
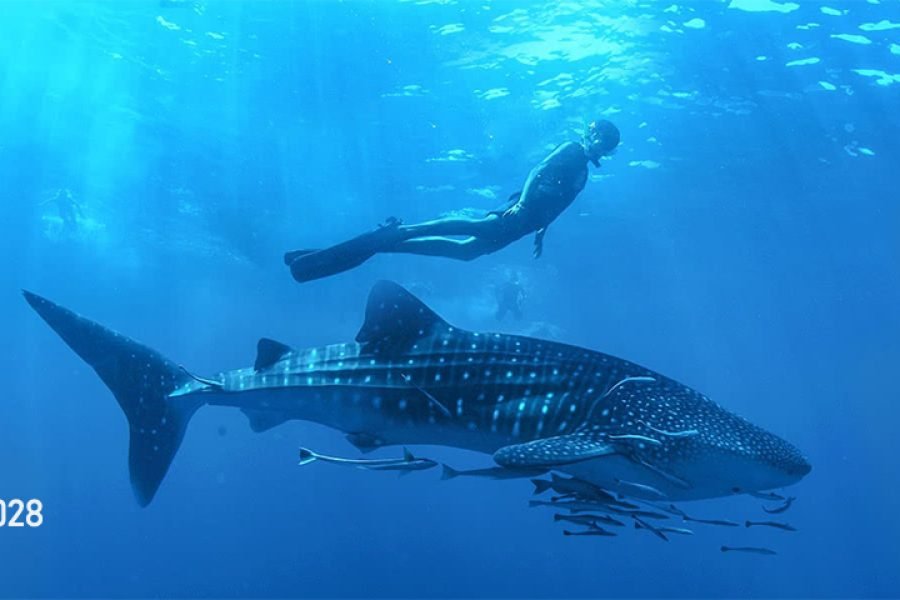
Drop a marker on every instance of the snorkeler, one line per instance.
(510, 298)
(68, 208)
(549, 190)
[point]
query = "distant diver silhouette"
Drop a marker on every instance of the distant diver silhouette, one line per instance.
(68, 208)
(550, 188)
(510, 298)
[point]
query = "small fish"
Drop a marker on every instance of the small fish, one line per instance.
(490, 473)
(584, 490)
(643, 488)
(563, 497)
(571, 506)
(650, 528)
(588, 519)
(685, 517)
(597, 531)
(749, 550)
(761, 495)
(672, 510)
(774, 524)
(782, 508)
(646, 514)
(719, 522)
(575, 506)
(407, 463)
(678, 530)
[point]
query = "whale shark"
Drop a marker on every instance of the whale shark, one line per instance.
(410, 377)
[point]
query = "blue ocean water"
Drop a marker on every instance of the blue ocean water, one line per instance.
(744, 239)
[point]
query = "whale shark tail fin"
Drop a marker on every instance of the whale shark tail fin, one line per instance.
(141, 380)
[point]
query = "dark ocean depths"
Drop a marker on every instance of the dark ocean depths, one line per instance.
(744, 240)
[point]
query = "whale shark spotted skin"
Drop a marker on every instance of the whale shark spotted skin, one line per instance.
(412, 378)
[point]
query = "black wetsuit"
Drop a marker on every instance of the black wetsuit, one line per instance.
(550, 188)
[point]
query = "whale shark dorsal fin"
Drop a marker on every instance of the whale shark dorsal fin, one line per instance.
(269, 352)
(395, 320)
(552, 451)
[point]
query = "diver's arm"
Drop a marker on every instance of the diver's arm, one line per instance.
(505, 208)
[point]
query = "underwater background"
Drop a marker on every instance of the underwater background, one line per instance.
(744, 240)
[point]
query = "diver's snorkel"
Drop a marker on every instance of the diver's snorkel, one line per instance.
(589, 141)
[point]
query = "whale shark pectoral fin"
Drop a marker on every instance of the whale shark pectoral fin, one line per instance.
(395, 320)
(548, 452)
(262, 420)
(269, 352)
(364, 442)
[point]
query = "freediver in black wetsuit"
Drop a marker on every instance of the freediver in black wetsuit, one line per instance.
(549, 190)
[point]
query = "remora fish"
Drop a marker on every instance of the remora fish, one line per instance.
(749, 550)
(782, 508)
(589, 519)
(774, 524)
(646, 489)
(490, 473)
(577, 506)
(719, 522)
(407, 463)
(412, 378)
(761, 495)
(646, 514)
(594, 531)
(645, 525)
(678, 530)
(583, 490)
(684, 517)
(588, 506)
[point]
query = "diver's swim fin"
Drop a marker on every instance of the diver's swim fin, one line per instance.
(293, 255)
(342, 257)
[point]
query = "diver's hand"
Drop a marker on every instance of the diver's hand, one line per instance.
(512, 211)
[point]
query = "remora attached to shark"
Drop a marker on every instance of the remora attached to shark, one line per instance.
(412, 378)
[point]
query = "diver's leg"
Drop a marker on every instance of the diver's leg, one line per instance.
(392, 231)
(447, 226)
(393, 237)
(465, 249)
